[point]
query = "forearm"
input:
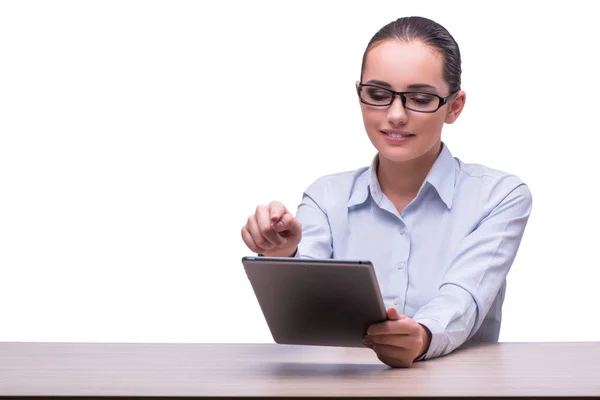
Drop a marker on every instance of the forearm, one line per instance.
(316, 234)
(450, 317)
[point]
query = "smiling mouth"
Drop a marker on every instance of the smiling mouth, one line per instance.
(398, 135)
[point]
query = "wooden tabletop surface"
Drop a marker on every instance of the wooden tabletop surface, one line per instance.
(270, 370)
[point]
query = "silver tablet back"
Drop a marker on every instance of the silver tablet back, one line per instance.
(316, 302)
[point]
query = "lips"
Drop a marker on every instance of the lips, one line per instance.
(396, 134)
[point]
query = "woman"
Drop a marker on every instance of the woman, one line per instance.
(441, 234)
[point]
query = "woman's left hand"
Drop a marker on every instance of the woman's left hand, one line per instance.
(399, 340)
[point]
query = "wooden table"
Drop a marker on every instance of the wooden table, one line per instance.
(269, 370)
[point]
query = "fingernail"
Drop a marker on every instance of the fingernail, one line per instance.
(278, 225)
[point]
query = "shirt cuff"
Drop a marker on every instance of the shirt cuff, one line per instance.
(438, 339)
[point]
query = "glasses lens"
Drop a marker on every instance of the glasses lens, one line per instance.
(376, 96)
(421, 102)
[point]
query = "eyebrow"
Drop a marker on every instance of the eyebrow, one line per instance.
(411, 86)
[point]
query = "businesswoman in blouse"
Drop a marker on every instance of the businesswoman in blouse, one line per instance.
(441, 234)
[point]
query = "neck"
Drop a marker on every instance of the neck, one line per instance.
(404, 179)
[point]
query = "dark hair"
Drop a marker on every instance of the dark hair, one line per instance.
(428, 32)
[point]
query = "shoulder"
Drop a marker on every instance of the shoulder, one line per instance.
(338, 186)
(490, 186)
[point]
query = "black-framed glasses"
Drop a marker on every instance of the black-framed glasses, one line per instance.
(424, 102)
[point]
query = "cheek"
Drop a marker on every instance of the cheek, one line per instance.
(428, 123)
(371, 117)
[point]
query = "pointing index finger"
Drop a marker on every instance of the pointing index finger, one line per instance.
(276, 211)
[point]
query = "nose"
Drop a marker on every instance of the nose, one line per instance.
(396, 112)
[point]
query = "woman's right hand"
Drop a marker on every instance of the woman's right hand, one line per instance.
(272, 231)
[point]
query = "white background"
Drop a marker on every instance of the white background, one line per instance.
(136, 137)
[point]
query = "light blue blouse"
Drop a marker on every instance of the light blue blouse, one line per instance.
(444, 260)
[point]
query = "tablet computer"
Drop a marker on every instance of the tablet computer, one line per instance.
(316, 302)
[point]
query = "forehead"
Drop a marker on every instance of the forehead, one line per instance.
(404, 63)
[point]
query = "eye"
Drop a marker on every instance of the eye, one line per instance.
(420, 99)
(377, 94)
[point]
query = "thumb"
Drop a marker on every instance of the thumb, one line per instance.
(393, 314)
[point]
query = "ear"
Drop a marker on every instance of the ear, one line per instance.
(455, 107)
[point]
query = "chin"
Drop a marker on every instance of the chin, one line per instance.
(399, 155)
(407, 152)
